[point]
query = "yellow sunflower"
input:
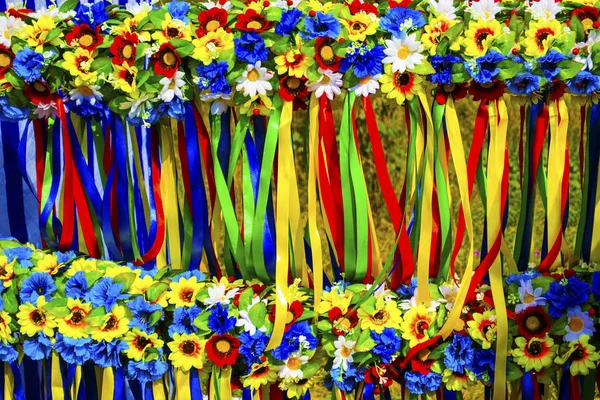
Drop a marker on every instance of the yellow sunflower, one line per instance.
(83, 265)
(483, 328)
(34, 319)
(187, 351)
(139, 341)
(5, 331)
(79, 64)
(294, 62)
(400, 85)
(480, 35)
(36, 34)
(540, 35)
(172, 29)
(124, 78)
(385, 315)
(455, 381)
(535, 353)
(360, 26)
(260, 375)
(48, 264)
(583, 356)
(7, 271)
(114, 325)
(212, 46)
(416, 325)
(296, 388)
(141, 285)
(74, 325)
(335, 298)
(433, 34)
(183, 293)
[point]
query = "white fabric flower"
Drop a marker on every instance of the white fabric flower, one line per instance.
(444, 8)
(529, 297)
(217, 4)
(330, 84)
(412, 303)
(343, 353)
(585, 56)
(9, 26)
(291, 367)
(88, 93)
(403, 53)
(449, 294)
(244, 318)
(484, 9)
(143, 6)
(172, 87)
(368, 85)
(218, 294)
(255, 79)
(544, 9)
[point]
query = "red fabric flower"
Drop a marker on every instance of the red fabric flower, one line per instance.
(356, 6)
(585, 12)
(294, 312)
(292, 88)
(533, 322)
(342, 323)
(18, 12)
(166, 61)
(123, 49)
(375, 373)
(6, 59)
(400, 3)
(39, 92)
(325, 55)
(457, 90)
(251, 21)
(487, 92)
(85, 37)
(211, 20)
(222, 349)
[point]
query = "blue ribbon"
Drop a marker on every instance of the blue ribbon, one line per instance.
(121, 164)
(527, 386)
(119, 393)
(449, 394)
(18, 390)
(593, 159)
(195, 388)
(89, 379)
(14, 181)
(32, 367)
(369, 392)
(140, 218)
(136, 389)
(565, 383)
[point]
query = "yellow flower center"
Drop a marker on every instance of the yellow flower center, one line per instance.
(253, 75)
(39, 87)
(576, 324)
(345, 352)
(528, 299)
(4, 60)
(86, 40)
(85, 90)
(127, 51)
(327, 52)
(403, 53)
(213, 25)
(223, 346)
(289, 318)
(343, 324)
(169, 58)
(293, 83)
(365, 80)
(380, 317)
(254, 25)
(532, 323)
(294, 363)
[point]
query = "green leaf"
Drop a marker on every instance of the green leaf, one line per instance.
(183, 47)
(258, 314)
(504, 43)
(154, 317)
(246, 299)
(309, 369)
(92, 277)
(102, 65)
(14, 79)
(11, 304)
(157, 16)
(509, 69)
(68, 5)
(568, 69)
(438, 351)
(155, 290)
(126, 279)
(577, 27)
(53, 34)
(514, 372)
(424, 68)
(364, 342)
(273, 13)
(58, 307)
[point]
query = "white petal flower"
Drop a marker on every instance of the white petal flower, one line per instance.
(255, 79)
(218, 294)
(9, 26)
(444, 8)
(143, 6)
(291, 367)
(544, 9)
(88, 93)
(343, 353)
(368, 85)
(484, 9)
(449, 294)
(330, 84)
(529, 297)
(172, 87)
(225, 5)
(403, 53)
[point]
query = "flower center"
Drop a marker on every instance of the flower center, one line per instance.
(38, 317)
(345, 352)
(541, 36)
(365, 80)
(141, 342)
(325, 80)
(528, 298)
(127, 51)
(380, 317)
(578, 354)
(535, 349)
(77, 317)
(260, 370)
(188, 347)
(129, 77)
(402, 79)
(294, 363)
(39, 87)
(357, 26)
(403, 52)
(186, 295)
(86, 40)
(481, 36)
(421, 327)
(576, 324)
(254, 25)
(85, 91)
(289, 318)
(111, 323)
(532, 323)
(213, 25)
(169, 58)
(223, 346)
(293, 83)
(327, 53)
(172, 33)
(343, 324)
(4, 60)
(253, 75)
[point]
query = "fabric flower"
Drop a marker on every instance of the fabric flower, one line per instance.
(346, 380)
(287, 23)
(250, 48)
(484, 364)
(584, 83)
(142, 311)
(183, 320)
(8, 112)
(398, 21)
(254, 80)
(8, 354)
(186, 351)
(529, 297)
(533, 322)
(579, 323)
(366, 62)
(107, 354)
(321, 25)
(291, 342)
(418, 383)
(403, 53)
(524, 83)
(566, 293)
(329, 84)
(459, 354)
(146, 371)
(443, 69)
(73, 351)
(213, 78)
(483, 69)
(77, 286)
(219, 320)
(105, 293)
(178, 10)
(28, 64)
(222, 349)
(344, 349)
(253, 346)
(548, 63)
(534, 354)
(38, 347)
(387, 344)
(36, 285)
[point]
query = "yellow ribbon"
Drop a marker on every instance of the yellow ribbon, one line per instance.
(76, 382)
(182, 384)
(108, 384)
(158, 389)
(595, 248)
(282, 222)
(225, 384)
(296, 230)
(56, 380)
(495, 171)
(168, 189)
(9, 383)
(313, 230)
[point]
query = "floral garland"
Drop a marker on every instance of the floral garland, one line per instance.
(152, 324)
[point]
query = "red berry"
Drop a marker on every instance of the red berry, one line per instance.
(222, 2)
(575, 51)
(290, 2)
(267, 3)
(228, 30)
(592, 312)
(596, 24)
(515, 51)
(256, 111)
(312, 13)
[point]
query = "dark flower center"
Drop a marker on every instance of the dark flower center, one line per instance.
(111, 323)
(578, 354)
(481, 36)
(169, 58)
(141, 342)
(172, 33)
(421, 327)
(77, 317)
(535, 349)
(38, 317)
(129, 77)
(187, 295)
(402, 79)
(188, 347)
(260, 370)
(541, 36)
(357, 26)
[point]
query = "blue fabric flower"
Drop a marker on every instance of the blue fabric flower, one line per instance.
(8, 112)
(584, 83)
(252, 347)
(289, 20)
(366, 61)
(250, 48)
(178, 10)
(63, 257)
(483, 69)
(386, 344)
(21, 254)
(443, 69)
(407, 291)
(398, 21)
(152, 115)
(566, 293)
(484, 364)
(146, 371)
(459, 354)
(88, 110)
(549, 64)
(36, 285)
(346, 380)
(188, 274)
(105, 293)
(73, 351)
(213, 77)
(8, 353)
(418, 383)
(524, 83)
(174, 109)
(108, 354)
(93, 14)
(77, 286)
(219, 321)
(141, 310)
(183, 320)
(321, 25)
(28, 64)
(291, 340)
(521, 277)
(38, 347)
(596, 284)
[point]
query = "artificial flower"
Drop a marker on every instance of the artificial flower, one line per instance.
(479, 36)
(540, 35)
(434, 32)
(578, 323)
(403, 53)
(172, 87)
(114, 325)
(172, 29)
(74, 324)
(211, 20)
(183, 293)
(254, 80)
(292, 367)
(344, 349)
(27, 64)
(483, 328)
(123, 48)
(251, 21)
(417, 322)
(139, 342)
(35, 319)
(400, 86)
(329, 84)
(534, 354)
(293, 62)
(582, 356)
(260, 375)
(222, 349)
(213, 46)
(85, 37)
(359, 26)
(166, 61)
(533, 322)
(399, 21)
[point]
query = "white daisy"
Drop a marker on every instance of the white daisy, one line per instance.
(343, 353)
(381, 291)
(585, 50)
(244, 318)
(529, 297)
(544, 9)
(444, 8)
(285, 4)
(218, 294)
(8, 27)
(143, 6)
(46, 110)
(291, 367)
(225, 5)
(330, 84)
(449, 294)
(412, 303)
(368, 85)
(89, 93)
(172, 87)
(403, 53)
(255, 79)
(484, 9)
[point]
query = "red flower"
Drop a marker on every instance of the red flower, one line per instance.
(166, 61)
(85, 37)
(6, 59)
(211, 20)
(18, 12)
(123, 49)
(357, 6)
(399, 3)
(292, 88)
(325, 55)
(342, 323)
(222, 349)
(586, 12)
(377, 372)
(456, 90)
(533, 322)
(39, 92)
(294, 312)
(487, 91)
(421, 363)
(251, 21)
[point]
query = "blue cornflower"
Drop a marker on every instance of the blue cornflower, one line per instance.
(250, 48)
(484, 364)
(346, 380)
(549, 63)
(584, 83)
(443, 69)
(407, 291)
(521, 277)
(183, 320)
(86, 109)
(212, 77)
(459, 354)
(106, 293)
(93, 14)
(291, 340)
(21, 254)
(108, 354)
(152, 115)
(174, 109)
(146, 371)
(253, 346)
(483, 69)
(38, 347)
(398, 21)
(8, 353)
(364, 60)
(386, 344)
(289, 20)
(77, 286)
(28, 64)
(73, 351)
(141, 310)
(566, 293)
(524, 83)
(36, 285)
(418, 383)
(596, 285)
(63, 257)
(219, 321)
(8, 112)
(188, 274)
(178, 10)
(321, 25)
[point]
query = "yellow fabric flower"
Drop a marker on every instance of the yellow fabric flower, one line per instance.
(114, 325)
(293, 62)
(124, 78)
(139, 341)
(34, 319)
(48, 264)
(433, 34)
(535, 353)
(400, 85)
(385, 315)
(480, 35)
(184, 292)
(335, 298)
(141, 285)
(483, 328)
(5, 331)
(212, 46)
(7, 271)
(74, 325)
(115, 270)
(360, 26)
(455, 381)
(261, 375)
(583, 356)
(79, 64)
(416, 325)
(172, 29)
(540, 35)
(187, 351)
(82, 265)
(258, 102)
(36, 34)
